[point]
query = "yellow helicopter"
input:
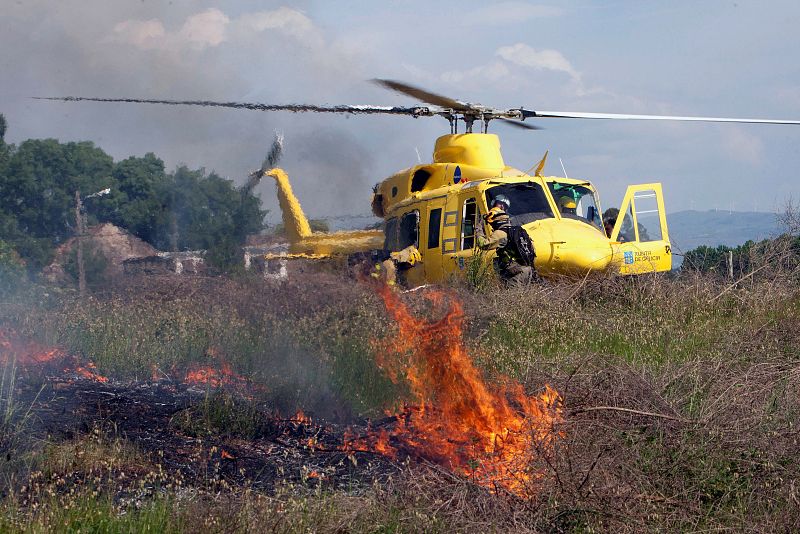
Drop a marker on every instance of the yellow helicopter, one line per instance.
(438, 207)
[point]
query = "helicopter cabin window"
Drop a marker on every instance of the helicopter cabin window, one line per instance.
(419, 180)
(468, 214)
(627, 234)
(527, 201)
(434, 226)
(390, 231)
(409, 230)
(648, 216)
(576, 201)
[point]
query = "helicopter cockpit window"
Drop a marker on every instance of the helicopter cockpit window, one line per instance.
(528, 201)
(626, 233)
(409, 230)
(576, 202)
(468, 215)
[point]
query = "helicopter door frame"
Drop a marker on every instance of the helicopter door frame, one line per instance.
(636, 253)
(456, 258)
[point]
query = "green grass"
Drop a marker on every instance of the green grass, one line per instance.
(303, 360)
(220, 413)
(92, 513)
(718, 367)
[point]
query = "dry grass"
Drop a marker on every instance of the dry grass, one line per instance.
(682, 397)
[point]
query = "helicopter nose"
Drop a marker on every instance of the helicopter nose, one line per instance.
(583, 258)
(571, 247)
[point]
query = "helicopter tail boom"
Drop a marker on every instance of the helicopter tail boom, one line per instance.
(294, 220)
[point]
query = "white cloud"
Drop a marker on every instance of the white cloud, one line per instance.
(201, 30)
(142, 34)
(503, 13)
(525, 56)
(490, 72)
(212, 27)
(506, 68)
(287, 20)
(205, 29)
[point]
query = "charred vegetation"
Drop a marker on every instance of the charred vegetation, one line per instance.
(679, 403)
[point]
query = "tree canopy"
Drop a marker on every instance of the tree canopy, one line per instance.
(184, 209)
(746, 257)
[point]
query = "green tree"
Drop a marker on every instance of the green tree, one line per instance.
(8, 223)
(12, 268)
(38, 187)
(135, 202)
(9, 257)
(207, 212)
(4, 149)
(746, 257)
(195, 210)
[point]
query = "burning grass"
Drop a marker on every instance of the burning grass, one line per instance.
(492, 434)
(680, 403)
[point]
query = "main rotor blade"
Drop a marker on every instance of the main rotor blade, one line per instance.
(622, 116)
(274, 154)
(296, 108)
(518, 124)
(422, 94)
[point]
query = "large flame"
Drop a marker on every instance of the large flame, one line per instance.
(492, 435)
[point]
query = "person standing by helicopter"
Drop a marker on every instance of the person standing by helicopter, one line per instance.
(512, 268)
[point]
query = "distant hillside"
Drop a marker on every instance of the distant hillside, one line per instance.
(690, 229)
(352, 222)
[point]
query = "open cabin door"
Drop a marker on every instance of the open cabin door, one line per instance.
(640, 236)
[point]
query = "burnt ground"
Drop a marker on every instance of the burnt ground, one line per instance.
(157, 418)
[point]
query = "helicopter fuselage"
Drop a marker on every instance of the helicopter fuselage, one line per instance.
(438, 208)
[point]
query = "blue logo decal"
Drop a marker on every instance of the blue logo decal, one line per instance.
(457, 175)
(628, 258)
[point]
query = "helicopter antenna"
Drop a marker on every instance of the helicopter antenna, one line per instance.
(562, 168)
(419, 158)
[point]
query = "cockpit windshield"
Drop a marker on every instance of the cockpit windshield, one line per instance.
(576, 202)
(527, 201)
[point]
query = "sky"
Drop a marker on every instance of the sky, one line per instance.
(710, 58)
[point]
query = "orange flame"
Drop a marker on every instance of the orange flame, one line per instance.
(490, 435)
(215, 377)
(300, 417)
(24, 352)
(90, 373)
(27, 353)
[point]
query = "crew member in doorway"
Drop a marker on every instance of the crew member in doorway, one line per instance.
(509, 266)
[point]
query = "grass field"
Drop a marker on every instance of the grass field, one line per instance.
(681, 397)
